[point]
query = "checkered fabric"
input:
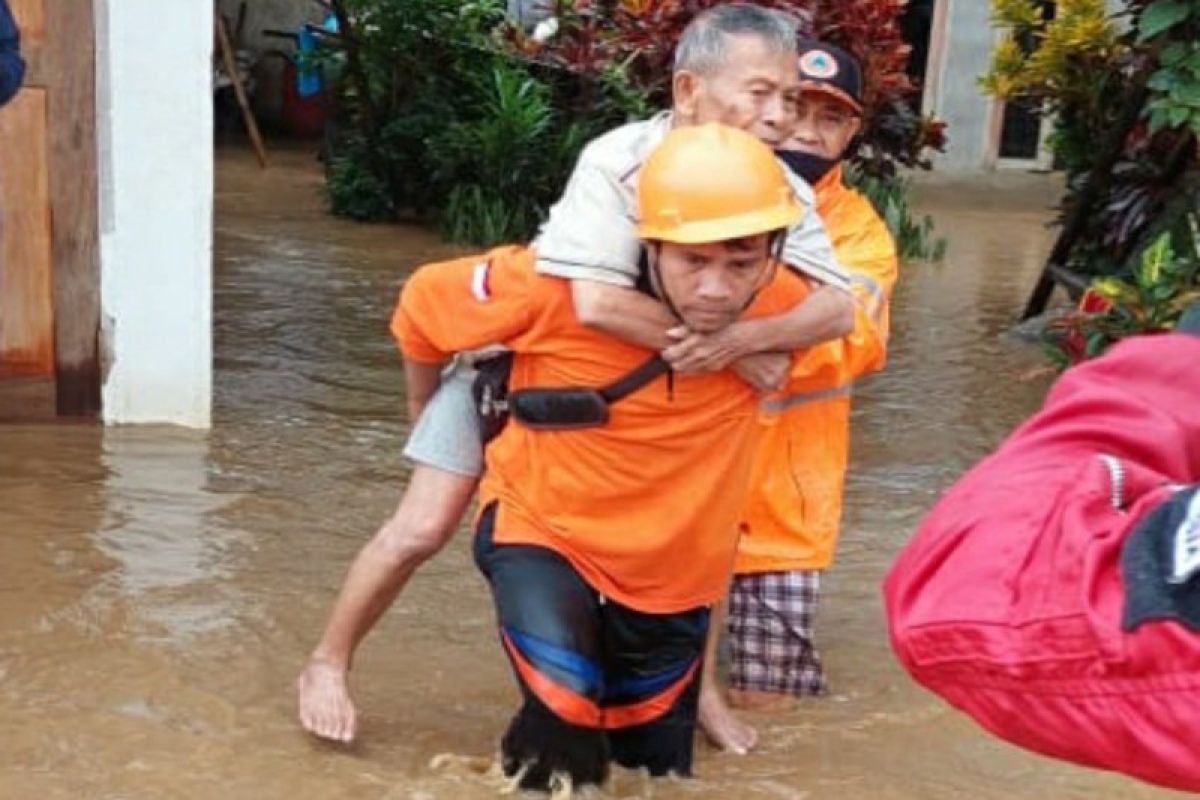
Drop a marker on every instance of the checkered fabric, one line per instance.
(771, 633)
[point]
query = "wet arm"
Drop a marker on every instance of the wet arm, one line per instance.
(625, 313)
(826, 314)
(421, 380)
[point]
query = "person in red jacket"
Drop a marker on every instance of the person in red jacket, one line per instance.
(1053, 593)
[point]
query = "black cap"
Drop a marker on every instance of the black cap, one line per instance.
(1160, 560)
(830, 69)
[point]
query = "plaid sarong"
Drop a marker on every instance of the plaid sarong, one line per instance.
(771, 633)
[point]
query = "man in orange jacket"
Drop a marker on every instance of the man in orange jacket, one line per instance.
(608, 527)
(735, 64)
(791, 520)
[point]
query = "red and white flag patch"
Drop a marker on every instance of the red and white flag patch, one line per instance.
(480, 281)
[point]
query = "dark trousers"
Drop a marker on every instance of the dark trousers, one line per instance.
(600, 681)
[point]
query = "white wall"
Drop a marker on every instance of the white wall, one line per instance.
(154, 130)
(973, 119)
(967, 42)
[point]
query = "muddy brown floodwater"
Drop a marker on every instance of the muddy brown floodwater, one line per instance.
(159, 588)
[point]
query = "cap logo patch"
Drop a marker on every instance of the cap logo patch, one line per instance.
(818, 64)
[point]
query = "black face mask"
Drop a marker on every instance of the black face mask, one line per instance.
(808, 166)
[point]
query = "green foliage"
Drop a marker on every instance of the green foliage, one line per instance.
(454, 127)
(1065, 65)
(353, 190)
(1163, 15)
(889, 195)
(1164, 282)
(504, 165)
(1175, 85)
(1176, 89)
(1126, 106)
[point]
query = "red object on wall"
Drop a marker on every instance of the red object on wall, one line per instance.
(304, 116)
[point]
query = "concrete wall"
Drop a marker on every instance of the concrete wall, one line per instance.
(529, 12)
(154, 131)
(962, 41)
(959, 53)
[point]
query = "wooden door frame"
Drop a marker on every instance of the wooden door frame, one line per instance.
(64, 64)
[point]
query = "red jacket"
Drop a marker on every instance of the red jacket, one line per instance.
(1008, 600)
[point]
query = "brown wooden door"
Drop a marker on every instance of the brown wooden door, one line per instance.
(49, 265)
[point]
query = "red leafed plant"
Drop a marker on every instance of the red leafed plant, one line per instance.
(632, 42)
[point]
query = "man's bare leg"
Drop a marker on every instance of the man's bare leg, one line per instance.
(717, 720)
(428, 514)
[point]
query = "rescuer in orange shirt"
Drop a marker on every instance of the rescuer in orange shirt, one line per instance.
(608, 528)
(734, 64)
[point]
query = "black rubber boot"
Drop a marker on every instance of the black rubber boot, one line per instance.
(541, 744)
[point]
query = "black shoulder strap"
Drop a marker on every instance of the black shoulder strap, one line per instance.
(635, 379)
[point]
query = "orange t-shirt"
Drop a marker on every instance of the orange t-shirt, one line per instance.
(646, 508)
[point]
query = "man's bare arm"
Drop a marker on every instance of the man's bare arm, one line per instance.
(753, 348)
(826, 314)
(627, 314)
(421, 381)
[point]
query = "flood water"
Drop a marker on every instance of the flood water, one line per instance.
(159, 589)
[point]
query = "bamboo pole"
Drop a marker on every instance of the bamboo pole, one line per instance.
(230, 60)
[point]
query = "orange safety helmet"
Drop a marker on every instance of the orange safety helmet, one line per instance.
(711, 183)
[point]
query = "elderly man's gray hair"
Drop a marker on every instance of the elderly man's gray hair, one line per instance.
(702, 47)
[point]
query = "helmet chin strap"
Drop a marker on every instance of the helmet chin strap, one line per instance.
(656, 281)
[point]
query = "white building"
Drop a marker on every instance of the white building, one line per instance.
(106, 195)
(984, 133)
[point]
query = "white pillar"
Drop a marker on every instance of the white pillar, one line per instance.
(154, 130)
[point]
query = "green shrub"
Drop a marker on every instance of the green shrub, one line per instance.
(1164, 282)
(455, 128)
(502, 167)
(352, 188)
(889, 195)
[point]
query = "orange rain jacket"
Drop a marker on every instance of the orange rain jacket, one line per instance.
(794, 510)
(646, 508)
